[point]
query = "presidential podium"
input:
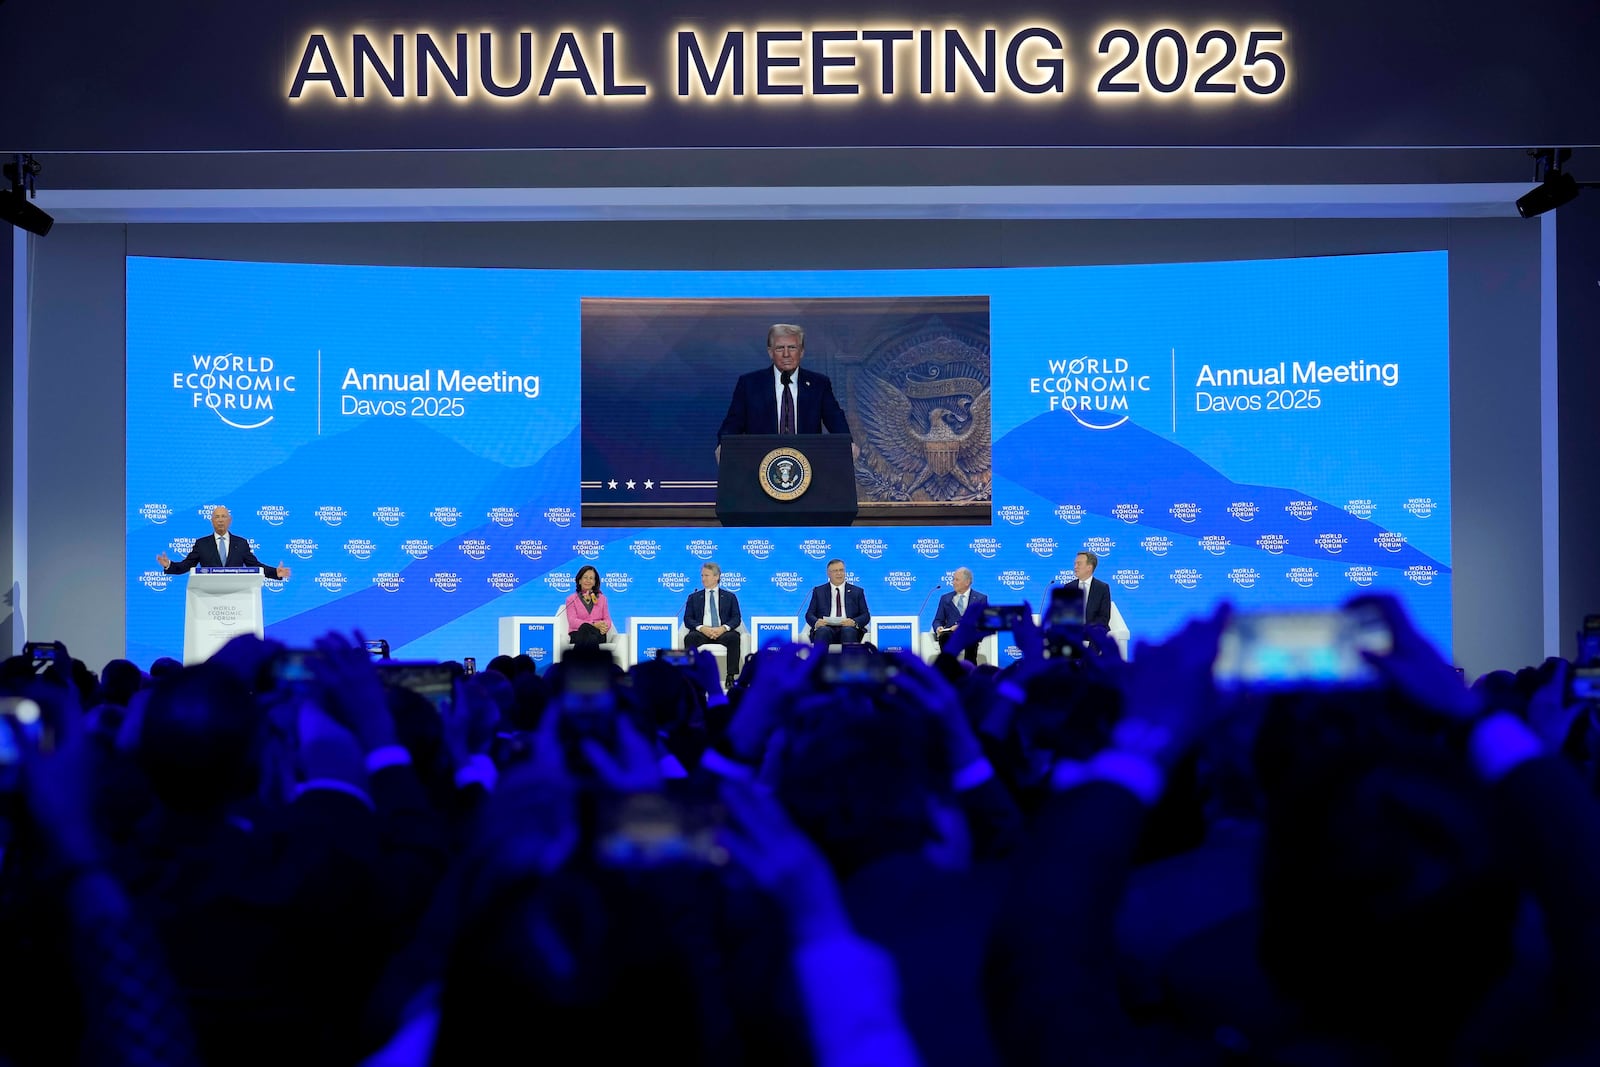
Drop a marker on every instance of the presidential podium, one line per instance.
(221, 604)
(786, 480)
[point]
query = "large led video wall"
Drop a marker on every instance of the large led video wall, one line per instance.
(431, 449)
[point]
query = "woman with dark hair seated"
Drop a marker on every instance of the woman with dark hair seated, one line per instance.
(588, 617)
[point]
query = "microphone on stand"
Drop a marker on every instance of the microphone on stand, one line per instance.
(936, 587)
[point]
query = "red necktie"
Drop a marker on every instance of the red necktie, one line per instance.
(786, 413)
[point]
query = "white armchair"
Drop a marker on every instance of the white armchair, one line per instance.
(717, 650)
(1119, 630)
(988, 648)
(616, 641)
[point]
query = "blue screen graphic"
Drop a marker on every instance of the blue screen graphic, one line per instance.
(414, 442)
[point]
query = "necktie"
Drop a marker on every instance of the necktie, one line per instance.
(838, 603)
(961, 604)
(716, 619)
(222, 549)
(786, 413)
(1084, 585)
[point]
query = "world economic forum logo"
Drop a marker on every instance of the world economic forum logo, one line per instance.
(155, 514)
(927, 547)
(674, 581)
(529, 548)
(332, 581)
(1071, 514)
(1128, 513)
(645, 548)
(871, 547)
(505, 516)
(1157, 544)
(474, 547)
(1184, 577)
(788, 581)
(901, 580)
(1390, 541)
(272, 514)
(1304, 577)
(758, 547)
(1015, 514)
(154, 580)
(445, 581)
(416, 547)
(561, 517)
(1421, 573)
(1304, 510)
(180, 546)
(1186, 511)
(1093, 390)
(587, 547)
(1420, 506)
(1014, 580)
(1043, 547)
(1244, 577)
(1360, 574)
(702, 548)
(330, 514)
(360, 547)
(389, 516)
(445, 516)
(984, 547)
(301, 547)
(1215, 544)
(1272, 544)
(1128, 577)
(388, 581)
(242, 391)
(733, 581)
(1331, 543)
(560, 581)
(618, 581)
(1100, 546)
(1244, 510)
(1361, 509)
(272, 585)
(503, 581)
(815, 547)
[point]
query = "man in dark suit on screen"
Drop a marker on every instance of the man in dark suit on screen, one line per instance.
(961, 599)
(838, 612)
(782, 398)
(221, 549)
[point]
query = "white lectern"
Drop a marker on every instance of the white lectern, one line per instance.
(222, 604)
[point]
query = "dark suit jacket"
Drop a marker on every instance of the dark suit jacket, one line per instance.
(947, 615)
(855, 605)
(1099, 607)
(694, 610)
(754, 407)
(204, 554)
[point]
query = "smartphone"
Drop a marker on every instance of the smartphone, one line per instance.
(678, 657)
(646, 830)
(291, 668)
(43, 653)
(435, 681)
(378, 649)
(21, 720)
(1588, 642)
(1583, 683)
(1001, 617)
(1065, 607)
(469, 664)
(1268, 650)
(855, 665)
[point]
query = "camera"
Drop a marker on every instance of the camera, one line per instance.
(998, 617)
(435, 681)
(1279, 650)
(855, 665)
(678, 657)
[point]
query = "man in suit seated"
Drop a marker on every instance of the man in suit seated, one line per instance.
(838, 612)
(954, 604)
(222, 549)
(1096, 594)
(782, 398)
(711, 615)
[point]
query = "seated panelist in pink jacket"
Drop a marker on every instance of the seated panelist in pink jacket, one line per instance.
(588, 616)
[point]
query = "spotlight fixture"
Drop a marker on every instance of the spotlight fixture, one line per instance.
(14, 205)
(1555, 187)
